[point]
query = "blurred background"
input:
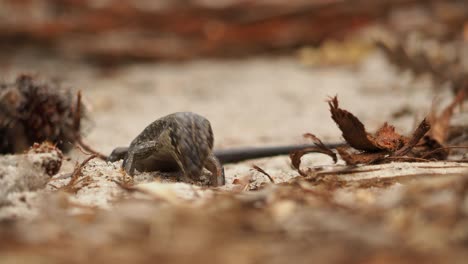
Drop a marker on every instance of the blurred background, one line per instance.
(259, 70)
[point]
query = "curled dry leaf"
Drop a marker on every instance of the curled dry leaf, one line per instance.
(296, 156)
(323, 148)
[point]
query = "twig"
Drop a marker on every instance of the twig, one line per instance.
(422, 129)
(444, 148)
(77, 113)
(76, 174)
(90, 150)
(80, 148)
(255, 167)
(77, 125)
(407, 158)
(125, 186)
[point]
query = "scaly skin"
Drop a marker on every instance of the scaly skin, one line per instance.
(181, 140)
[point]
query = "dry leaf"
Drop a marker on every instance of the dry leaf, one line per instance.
(353, 130)
(355, 134)
(386, 138)
(296, 156)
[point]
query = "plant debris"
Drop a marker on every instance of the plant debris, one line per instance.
(77, 125)
(296, 156)
(75, 176)
(50, 166)
(386, 145)
(386, 142)
(29, 171)
(34, 111)
(255, 167)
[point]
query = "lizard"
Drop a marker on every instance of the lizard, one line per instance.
(184, 140)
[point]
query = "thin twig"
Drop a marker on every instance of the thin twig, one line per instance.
(407, 158)
(255, 167)
(420, 131)
(77, 113)
(77, 125)
(76, 174)
(125, 186)
(90, 150)
(444, 148)
(80, 148)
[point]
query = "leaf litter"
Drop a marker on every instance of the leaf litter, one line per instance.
(426, 143)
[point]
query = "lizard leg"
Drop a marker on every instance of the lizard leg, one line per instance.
(217, 171)
(137, 153)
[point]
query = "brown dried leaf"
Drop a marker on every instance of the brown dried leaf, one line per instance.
(323, 148)
(296, 156)
(352, 129)
(386, 141)
(386, 138)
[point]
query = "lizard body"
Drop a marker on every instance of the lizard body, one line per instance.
(181, 140)
(184, 140)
